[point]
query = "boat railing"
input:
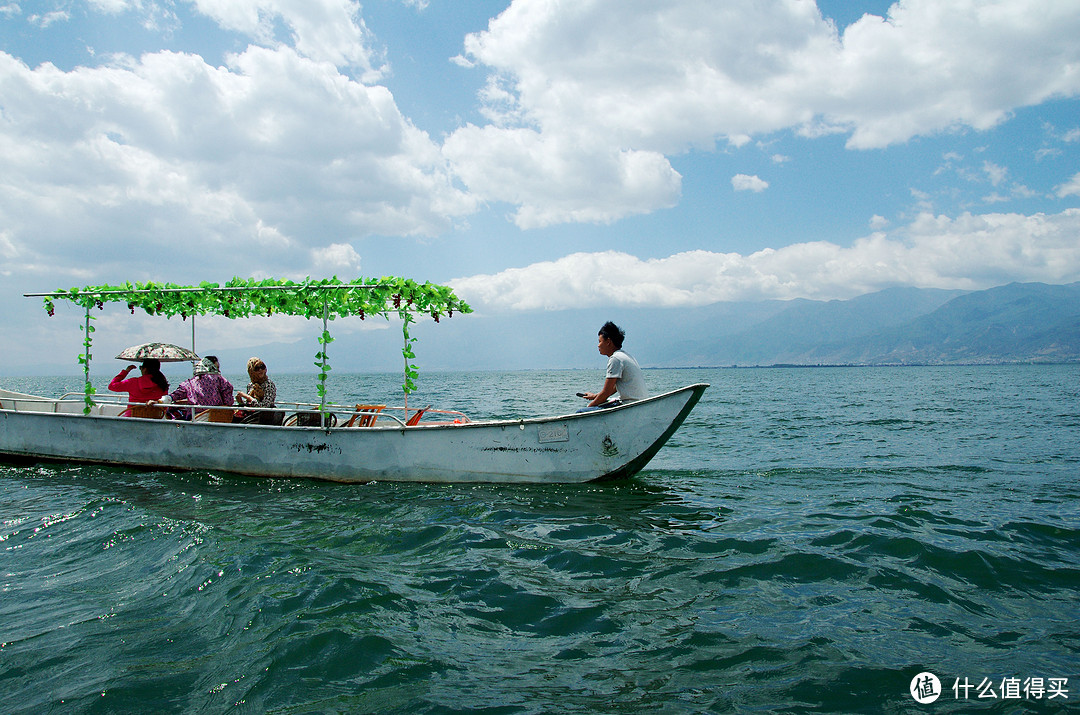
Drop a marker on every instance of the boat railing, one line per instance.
(339, 416)
(345, 416)
(80, 396)
(443, 417)
(68, 403)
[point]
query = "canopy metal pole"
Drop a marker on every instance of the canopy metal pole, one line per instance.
(405, 388)
(322, 398)
(193, 340)
(220, 289)
(86, 362)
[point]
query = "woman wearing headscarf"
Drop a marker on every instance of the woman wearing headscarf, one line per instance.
(149, 385)
(207, 388)
(261, 391)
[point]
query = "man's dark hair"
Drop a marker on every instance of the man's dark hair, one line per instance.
(613, 333)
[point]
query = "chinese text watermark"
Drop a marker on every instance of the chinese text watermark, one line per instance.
(927, 688)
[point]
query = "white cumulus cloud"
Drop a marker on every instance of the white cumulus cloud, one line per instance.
(169, 158)
(1070, 187)
(745, 182)
(337, 258)
(323, 30)
(555, 179)
(968, 252)
(627, 77)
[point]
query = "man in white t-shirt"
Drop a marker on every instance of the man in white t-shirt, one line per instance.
(623, 373)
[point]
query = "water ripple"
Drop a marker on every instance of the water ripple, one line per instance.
(809, 543)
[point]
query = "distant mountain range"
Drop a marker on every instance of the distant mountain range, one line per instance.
(1020, 322)
(1029, 322)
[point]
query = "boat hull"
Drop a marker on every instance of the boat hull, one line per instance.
(605, 444)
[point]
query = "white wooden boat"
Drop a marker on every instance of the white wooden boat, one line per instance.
(605, 444)
(369, 443)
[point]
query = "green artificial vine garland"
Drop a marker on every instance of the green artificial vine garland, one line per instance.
(327, 299)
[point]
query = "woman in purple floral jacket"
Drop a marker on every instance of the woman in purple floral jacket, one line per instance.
(207, 388)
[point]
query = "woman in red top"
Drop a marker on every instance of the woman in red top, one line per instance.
(149, 385)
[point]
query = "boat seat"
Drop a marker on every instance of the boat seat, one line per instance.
(415, 419)
(220, 414)
(146, 412)
(309, 419)
(262, 417)
(224, 415)
(365, 415)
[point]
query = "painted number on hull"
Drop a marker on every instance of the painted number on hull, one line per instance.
(553, 433)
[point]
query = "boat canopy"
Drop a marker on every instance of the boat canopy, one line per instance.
(327, 299)
(241, 298)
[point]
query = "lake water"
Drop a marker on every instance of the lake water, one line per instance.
(810, 541)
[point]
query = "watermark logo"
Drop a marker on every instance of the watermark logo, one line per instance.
(925, 688)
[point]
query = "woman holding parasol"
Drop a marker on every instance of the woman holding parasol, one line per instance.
(151, 384)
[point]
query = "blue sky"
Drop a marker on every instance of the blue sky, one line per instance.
(535, 154)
